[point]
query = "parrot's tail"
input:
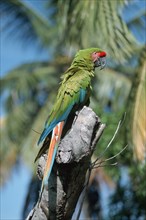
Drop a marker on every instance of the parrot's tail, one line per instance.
(56, 135)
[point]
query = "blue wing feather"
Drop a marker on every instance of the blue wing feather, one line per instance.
(83, 93)
(63, 117)
(49, 128)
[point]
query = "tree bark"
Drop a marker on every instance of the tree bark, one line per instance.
(67, 179)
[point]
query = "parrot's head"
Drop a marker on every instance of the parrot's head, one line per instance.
(91, 57)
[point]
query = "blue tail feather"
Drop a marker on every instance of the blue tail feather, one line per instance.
(48, 129)
(63, 117)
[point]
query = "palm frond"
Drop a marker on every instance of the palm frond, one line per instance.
(28, 82)
(139, 116)
(27, 103)
(8, 153)
(89, 23)
(24, 22)
(110, 84)
(136, 131)
(30, 143)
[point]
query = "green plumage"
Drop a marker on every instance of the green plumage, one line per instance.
(74, 90)
(69, 93)
(77, 77)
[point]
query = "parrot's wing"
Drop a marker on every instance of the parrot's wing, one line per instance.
(70, 93)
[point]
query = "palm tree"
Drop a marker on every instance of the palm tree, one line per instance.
(27, 103)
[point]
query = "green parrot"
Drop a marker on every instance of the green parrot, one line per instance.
(73, 94)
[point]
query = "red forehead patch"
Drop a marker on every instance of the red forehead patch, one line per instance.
(102, 54)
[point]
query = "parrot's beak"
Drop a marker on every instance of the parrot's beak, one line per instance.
(101, 61)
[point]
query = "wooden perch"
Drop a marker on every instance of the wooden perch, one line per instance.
(67, 179)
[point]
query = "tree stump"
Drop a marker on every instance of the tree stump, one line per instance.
(67, 179)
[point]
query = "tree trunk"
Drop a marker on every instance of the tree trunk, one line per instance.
(67, 179)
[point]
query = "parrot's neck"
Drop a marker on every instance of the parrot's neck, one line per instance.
(89, 66)
(77, 67)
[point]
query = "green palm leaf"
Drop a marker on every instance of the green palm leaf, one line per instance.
(23, 21)
(136, 131)
(139, 116)
(86, 23)
(27, 103)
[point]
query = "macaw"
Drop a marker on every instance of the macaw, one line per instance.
(73, 94)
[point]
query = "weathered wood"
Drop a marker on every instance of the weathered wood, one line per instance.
(69, 171)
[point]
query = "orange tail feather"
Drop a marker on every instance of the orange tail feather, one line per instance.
(56, 135)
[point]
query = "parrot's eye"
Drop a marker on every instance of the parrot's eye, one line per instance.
(99, 59)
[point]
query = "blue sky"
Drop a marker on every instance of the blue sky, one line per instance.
(13, 54)
(13, 193)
